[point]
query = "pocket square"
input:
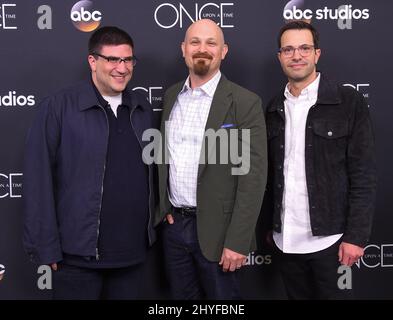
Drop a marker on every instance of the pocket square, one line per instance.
(227, 125)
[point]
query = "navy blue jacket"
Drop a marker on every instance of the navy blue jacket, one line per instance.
(65, 159)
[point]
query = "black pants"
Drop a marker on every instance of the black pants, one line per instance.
(76, 283)
(312, 275)
(191, 275)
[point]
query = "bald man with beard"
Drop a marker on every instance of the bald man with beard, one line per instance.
(208, 212)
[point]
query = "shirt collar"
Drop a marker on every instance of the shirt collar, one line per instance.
(127, 99)
(208, 88)
(310, 92)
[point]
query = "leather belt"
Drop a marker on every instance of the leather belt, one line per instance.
(185, 211)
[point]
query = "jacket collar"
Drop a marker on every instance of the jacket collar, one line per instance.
(328, 94)
(221, 103)
(90, 97)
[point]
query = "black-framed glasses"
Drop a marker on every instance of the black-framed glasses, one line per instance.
(117, 60)
(304, 50)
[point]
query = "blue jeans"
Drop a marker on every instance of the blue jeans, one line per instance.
(190, 274)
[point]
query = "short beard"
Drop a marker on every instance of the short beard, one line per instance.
(201, 68)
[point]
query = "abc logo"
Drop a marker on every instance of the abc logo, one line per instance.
(297, 14)
(84, 17)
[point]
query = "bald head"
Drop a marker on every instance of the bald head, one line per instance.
(205, 26)
(203, 50)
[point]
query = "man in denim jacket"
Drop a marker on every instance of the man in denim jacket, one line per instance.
(322, 175)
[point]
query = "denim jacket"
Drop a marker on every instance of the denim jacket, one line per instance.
(340, 163)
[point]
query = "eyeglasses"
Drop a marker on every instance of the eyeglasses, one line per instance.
(289, 51)
(117, 60)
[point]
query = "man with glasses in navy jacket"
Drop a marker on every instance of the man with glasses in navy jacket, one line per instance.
(88, 193)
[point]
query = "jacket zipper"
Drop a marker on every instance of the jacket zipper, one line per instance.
(140, 144)
(102, 188)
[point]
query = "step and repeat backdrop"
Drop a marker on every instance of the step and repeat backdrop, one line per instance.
(43, 47)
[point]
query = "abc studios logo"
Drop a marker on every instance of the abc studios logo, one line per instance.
(258, 259)
(84, 17)
(344, 12)
(12, 99)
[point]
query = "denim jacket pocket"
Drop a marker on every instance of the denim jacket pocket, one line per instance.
(330, 129)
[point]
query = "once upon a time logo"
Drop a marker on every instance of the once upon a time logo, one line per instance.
(377, 256)
(7, 16)
(168, 15)
(153, 95)
(11, 185)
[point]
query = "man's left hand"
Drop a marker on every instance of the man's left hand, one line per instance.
(348, 253)
(231, 260)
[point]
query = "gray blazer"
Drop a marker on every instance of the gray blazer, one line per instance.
(228, 205)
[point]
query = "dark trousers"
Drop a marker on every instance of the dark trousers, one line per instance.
(190, 274)
(77, 283)
(312, 275)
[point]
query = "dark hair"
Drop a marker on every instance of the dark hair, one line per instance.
(108, 36)
(299, 25)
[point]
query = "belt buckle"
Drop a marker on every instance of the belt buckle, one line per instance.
(187, 211)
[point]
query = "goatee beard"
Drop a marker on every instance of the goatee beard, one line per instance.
(201, 68)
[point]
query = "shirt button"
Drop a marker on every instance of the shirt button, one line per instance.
(279, 167)
(330, 133)
(281, 146)
(310, 145)
(279, 186)
(278, 205)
